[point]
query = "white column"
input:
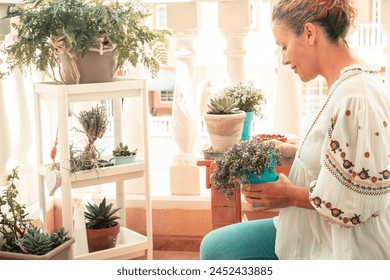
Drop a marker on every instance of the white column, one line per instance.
(5, 144)
(234, 21)
(386, 32)
(21, 130)
(184, 174)
(287, 103)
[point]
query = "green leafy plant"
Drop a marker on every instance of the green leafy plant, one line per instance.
(219, 104)
(249, 98)
(19, 233)
(100, 216)
(239, 161)
(123, 150)
(50, 28)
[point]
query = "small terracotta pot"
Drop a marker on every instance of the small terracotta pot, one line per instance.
(101, 239)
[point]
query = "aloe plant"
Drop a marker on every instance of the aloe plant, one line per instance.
(100, 215)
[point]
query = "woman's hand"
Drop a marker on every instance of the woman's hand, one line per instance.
(268, 195)
(279, 194)
(287, 151)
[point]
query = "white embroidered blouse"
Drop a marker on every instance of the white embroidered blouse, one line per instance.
(344, 159)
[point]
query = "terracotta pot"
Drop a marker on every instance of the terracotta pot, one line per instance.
(101, 239)
(93, 68)
(59, 253)
(224, 130)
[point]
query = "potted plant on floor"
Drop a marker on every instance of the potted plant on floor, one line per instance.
(250, 100)
(245, 163)
(123, 155)
(224, 122)
(67, 35)
(21, 239)
(102, 227)
(94, 124)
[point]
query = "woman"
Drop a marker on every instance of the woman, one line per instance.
(335, 203)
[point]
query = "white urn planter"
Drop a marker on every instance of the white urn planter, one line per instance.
(224, 130)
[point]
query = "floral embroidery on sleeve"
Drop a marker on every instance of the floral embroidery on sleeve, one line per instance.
(336, 214)
(361, 181)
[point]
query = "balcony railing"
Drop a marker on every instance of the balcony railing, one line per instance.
(367, 36)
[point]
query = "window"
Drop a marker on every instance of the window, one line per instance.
(312, 94)
(161, 16)
(166, 96)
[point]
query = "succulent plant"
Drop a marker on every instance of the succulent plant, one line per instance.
(222, 105)
(123, 150)
(59, 237)
(100, 215)
(35, 242)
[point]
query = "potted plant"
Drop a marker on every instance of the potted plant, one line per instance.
(102, 227)
(251, 100)
(67, 35)
(20, 238)
(123, 155)
(224, 122)
(94, 124)
(245, 163)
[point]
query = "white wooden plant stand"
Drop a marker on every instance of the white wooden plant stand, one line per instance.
(130, 244)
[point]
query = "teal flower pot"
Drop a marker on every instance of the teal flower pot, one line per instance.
(247, 129)
(269, 175)
(266, 177)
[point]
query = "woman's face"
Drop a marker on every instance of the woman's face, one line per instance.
(296, 52)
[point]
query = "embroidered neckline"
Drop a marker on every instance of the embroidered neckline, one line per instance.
(357, 69)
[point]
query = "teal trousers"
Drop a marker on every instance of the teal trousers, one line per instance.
(252, 240)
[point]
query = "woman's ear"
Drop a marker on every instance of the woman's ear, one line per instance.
(310, 32)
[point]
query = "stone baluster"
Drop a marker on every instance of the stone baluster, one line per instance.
(385, 8)
(234, 21)
(183, 23)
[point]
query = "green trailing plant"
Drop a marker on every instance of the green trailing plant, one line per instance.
(219, 104)
(249, 98)
(238, 162)
(50, 28)
(100, 216)
(123, 151)
(94, 124)
(19, 233)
